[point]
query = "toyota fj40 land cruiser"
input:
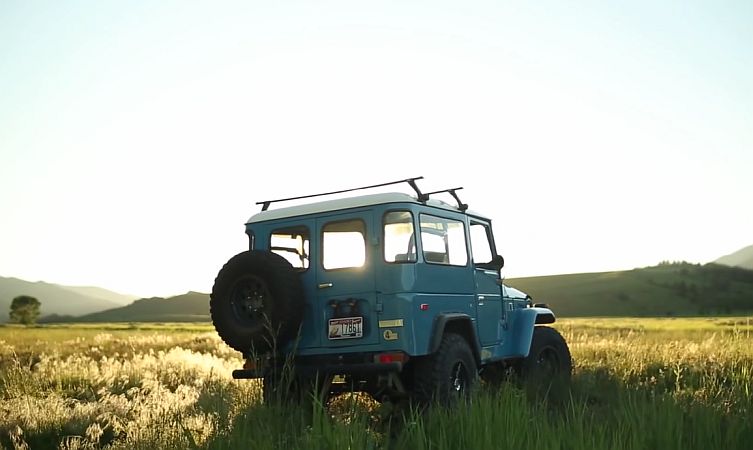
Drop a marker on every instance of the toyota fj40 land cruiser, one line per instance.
(394, 295)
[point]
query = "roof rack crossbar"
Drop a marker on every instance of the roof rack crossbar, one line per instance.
(411, 181)
(461, 206)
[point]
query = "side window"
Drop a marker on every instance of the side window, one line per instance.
(344, 244)
(399, 238)
(481, 246)
(443, 241)
(292, 244)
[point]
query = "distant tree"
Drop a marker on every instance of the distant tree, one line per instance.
(24, 309)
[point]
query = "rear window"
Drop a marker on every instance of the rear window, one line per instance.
(344, 244)
(292, 244)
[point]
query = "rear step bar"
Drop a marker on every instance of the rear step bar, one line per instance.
(335, 369)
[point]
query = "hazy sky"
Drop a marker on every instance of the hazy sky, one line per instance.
(135, 137)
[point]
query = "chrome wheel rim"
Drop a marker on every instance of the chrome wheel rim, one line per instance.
(458, 378)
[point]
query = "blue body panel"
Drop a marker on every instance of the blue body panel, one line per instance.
(519, 334)
(389, 295)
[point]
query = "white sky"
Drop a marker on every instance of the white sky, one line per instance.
(135, 137)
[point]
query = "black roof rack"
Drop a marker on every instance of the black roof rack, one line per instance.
(411, 181)
(423, 197)
(461, 206)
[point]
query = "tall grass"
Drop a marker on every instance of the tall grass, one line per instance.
(637, 385)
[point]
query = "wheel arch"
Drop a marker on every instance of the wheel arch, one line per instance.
(457, 323)
(545, 316)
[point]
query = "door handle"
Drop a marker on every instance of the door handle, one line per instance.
(325, 285)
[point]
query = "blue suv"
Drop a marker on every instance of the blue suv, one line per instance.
(392, 294)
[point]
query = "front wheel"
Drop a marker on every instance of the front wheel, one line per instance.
(549, 358)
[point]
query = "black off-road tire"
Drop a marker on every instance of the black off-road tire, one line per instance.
(549, 359)
(257, 302)
(448, 375)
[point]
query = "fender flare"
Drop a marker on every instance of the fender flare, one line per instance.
(524, 321)
(462, 321)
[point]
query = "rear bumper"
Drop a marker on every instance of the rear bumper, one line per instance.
(360, 369)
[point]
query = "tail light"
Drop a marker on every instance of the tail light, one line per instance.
(391, 357)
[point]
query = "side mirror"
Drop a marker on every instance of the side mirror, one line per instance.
(497, 263)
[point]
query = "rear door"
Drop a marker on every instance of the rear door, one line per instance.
(292, 240)
(346, 255)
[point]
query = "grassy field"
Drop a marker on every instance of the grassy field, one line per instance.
(638, 384)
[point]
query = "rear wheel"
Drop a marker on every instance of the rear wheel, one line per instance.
(448, 375)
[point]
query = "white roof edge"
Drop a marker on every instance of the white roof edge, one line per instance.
(344, 203)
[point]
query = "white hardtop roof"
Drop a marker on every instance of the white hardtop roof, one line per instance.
(346, 203)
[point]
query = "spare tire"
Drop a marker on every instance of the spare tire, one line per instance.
(257, 302)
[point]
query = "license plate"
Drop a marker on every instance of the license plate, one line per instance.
(346, 328)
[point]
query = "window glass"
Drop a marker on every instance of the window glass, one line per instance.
(480, 244)
(399, 239)
(344, 244)
(292, 244)
(443, 241)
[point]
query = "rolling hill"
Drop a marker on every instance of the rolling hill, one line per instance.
(189, 307)
(677, 289)
(741, 258)
(669, 289)
(57, 299)
(97, 292)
